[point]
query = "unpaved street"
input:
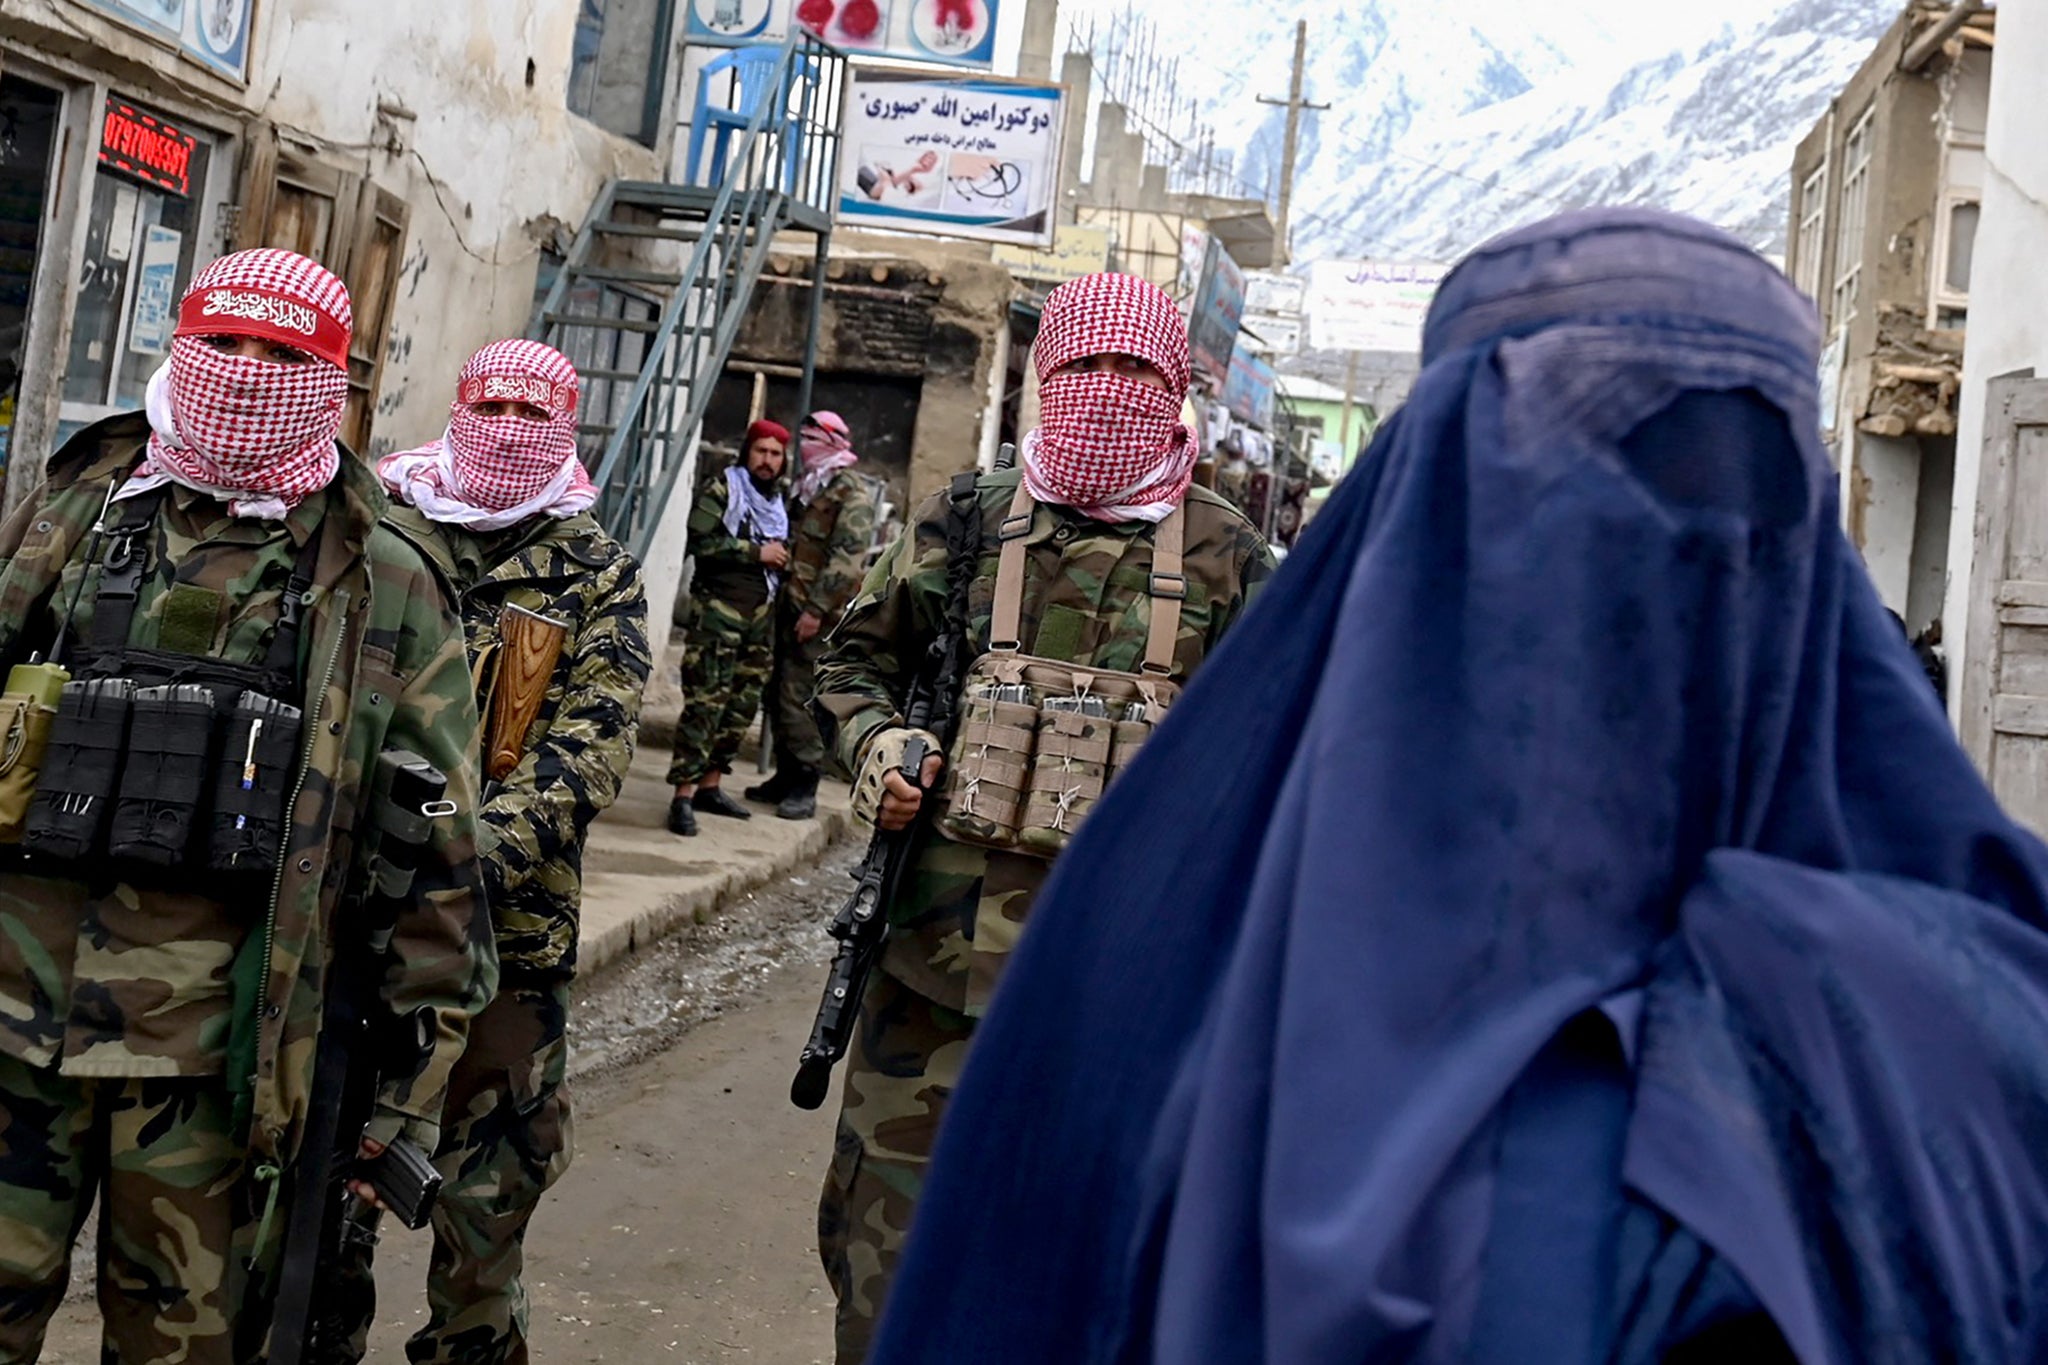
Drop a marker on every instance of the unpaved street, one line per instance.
(684, 1230)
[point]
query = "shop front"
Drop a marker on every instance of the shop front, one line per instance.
(108, 203)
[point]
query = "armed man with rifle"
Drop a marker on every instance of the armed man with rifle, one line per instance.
(212, 649)
(1010, 651)
(557, 625)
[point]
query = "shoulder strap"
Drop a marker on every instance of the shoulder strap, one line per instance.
(282, 659)
(1006, 627)
(113, 611)
(1169, 588)
(1168, 585)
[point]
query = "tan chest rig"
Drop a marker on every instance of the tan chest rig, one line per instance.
(1039, 739)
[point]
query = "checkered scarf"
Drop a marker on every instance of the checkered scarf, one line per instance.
(753, 515)
(256, 434)
(488, 473)
(828, 448)
(1107, 445)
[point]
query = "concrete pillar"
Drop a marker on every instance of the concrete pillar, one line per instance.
(1077, 74)
(1041, 36)
(2008, 328)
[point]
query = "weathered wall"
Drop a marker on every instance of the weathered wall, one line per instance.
(475, 134)
(942, 322)
(2009, 291)
(492, 165)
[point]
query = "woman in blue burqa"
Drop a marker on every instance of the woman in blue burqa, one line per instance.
(1623, 961)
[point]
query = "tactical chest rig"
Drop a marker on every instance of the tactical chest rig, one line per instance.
(1040, 739)
(160, 766)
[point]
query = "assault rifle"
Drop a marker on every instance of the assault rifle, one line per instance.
(361, 1043)
(862, 924)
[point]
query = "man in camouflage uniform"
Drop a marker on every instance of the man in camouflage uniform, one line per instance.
(501, 506)
(158, 1029)
(739, 537)
(835, 526)
(1110, 461)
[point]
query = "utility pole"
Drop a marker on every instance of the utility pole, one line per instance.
(1295, 105)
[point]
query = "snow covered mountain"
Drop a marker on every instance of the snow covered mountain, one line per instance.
(1452, 122)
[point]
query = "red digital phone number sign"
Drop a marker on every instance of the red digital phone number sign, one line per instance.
(144, 147)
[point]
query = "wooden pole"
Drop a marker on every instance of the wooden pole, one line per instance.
(1295, 106)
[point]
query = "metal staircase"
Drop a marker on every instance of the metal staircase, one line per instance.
(654, 289)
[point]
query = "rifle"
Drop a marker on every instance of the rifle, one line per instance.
(862, 925)
(361, 1043)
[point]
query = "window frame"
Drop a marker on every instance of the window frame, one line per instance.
(1852, 219)
(1810, 240)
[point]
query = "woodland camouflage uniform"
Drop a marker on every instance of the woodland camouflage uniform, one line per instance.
(729, 648)
(827, 561)
(506, 1135)
(963, 908)
(116, 1001)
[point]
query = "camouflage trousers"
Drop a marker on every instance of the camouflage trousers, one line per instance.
(505, 1139)
(726, 663)
(798, 741)
(176, 1222)
(907, 1056)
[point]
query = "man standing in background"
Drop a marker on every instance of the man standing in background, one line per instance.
(739, 537)
(835, 526)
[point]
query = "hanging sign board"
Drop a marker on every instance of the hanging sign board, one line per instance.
(953, 156)
(1077, 249)
(144, 147)
(951, 32)
(1219, 311)
(1249, 390)
(214, 33)
(1370, 305)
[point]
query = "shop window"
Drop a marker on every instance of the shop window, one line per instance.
(618, 67)
(28, 139)
(142, 243)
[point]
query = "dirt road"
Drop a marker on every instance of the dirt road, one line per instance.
(685, 1229)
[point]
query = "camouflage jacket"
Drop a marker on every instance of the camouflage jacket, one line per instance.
(729, 567)
(828, 556)
(577, 753)
(1085, 599)
(383, 669)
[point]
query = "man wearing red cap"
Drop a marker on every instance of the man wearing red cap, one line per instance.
(173, 888)
(835, 529)
(1104, 491)
(739, 537)
(501, 503)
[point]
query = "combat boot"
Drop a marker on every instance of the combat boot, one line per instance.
(774, 789)
(802, 801)
(714, 801)
(682, 817)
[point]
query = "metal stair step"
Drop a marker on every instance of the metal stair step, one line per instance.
(618, 274)
(614, 228)
(642, 325)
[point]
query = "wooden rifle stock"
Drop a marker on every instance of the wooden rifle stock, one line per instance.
(529, 647)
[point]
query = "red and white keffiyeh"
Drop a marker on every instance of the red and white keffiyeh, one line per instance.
(257, 434)
(1108, 445)
(490, 472)
(827, 444)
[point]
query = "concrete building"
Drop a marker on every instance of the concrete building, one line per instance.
(1886, 198)
(1998, 575)
(431, 154)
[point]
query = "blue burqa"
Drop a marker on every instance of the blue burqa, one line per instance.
(1558, 925)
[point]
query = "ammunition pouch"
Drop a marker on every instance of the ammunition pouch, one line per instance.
(163, 768)
(1040, 739)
